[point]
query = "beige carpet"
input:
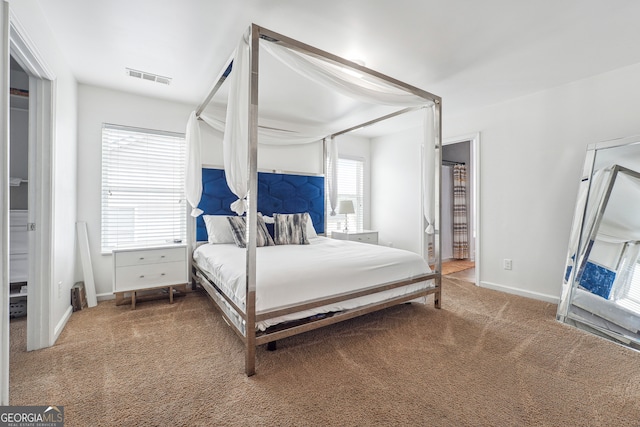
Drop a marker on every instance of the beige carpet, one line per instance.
(486, 358)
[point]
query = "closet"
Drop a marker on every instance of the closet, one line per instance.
(19, 190)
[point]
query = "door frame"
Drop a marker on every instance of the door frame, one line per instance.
(4, 195)
(41, 140)
(41, 143)
(474, 172)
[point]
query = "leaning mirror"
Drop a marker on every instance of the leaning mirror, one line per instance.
(601, 287)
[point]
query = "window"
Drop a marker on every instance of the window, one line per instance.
(631, 299)
(350, 187)
(143, 202)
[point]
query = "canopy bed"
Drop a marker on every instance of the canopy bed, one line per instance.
(272, 287)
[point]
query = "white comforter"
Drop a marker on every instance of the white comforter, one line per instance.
(292, 274)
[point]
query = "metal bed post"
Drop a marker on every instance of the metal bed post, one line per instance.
(325, 152)
(437, 241)
(252, 213)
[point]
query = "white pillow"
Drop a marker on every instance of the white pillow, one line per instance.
(311, 231)
(218, 229)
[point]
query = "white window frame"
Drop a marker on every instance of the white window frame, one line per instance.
(146, 182)
(631, 300)
(356, 220)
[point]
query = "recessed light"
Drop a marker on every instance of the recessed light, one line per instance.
(148, 76)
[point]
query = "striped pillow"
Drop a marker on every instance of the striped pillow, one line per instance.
(290, 229)
(238, 230)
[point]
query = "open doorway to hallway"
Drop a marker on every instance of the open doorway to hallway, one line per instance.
(459, 209)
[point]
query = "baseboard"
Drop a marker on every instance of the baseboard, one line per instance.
(521, 292)
(61, 324)
(105, 297)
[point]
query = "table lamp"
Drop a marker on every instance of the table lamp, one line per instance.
(346, 207)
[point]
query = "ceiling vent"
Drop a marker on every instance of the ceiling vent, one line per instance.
(148, 76)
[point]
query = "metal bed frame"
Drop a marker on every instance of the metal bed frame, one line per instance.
(249, 336)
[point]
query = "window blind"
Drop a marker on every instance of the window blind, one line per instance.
(350, 187)
(143, 202)
(632, 299)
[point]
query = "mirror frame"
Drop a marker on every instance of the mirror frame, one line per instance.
(577, 257)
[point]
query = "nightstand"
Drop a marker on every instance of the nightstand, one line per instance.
(364, 236)
(143, 269)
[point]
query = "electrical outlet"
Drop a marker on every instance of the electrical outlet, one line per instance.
(507, 264)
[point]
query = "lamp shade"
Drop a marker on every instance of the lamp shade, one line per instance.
(346, 207)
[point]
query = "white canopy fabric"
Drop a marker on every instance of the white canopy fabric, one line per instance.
(428, 169)
(620, 219)
(589, 192)
(266, 136)
(193, 175)
(235, 143)
(332, 171)
(342, 80)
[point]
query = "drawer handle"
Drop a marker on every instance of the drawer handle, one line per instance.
(162, 256)
(141, 258)
(162, 274)
(142, 276)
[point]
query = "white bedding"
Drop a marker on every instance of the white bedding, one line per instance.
(292, 274)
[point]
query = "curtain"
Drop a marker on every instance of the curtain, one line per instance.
(460, 227)
(235, 143)
(342, 80)
(266, 136)
(193, 172)
(428, 168)
(332, 172)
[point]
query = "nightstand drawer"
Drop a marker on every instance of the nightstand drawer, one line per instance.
(149, 256)
(365, 238)
(147, 276)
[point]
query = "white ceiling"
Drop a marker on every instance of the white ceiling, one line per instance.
(469, 52)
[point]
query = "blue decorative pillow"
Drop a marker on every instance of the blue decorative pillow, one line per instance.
(290, 229)
(238, 230)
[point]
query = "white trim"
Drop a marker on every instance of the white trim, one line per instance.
(474, 142)
(25, 52)
(4, 195)
(106, 296)
(62, 323)
(42, 88)
(521, 292)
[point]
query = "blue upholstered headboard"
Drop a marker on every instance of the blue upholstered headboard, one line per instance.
(277, 193)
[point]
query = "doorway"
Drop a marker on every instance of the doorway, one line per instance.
(40, 332)
(18, 190)
(459, 208)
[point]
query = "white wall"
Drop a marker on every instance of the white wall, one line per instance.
(28, 15)
(19, 142)
(531, 155)
(98, 106)
(396, 183)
